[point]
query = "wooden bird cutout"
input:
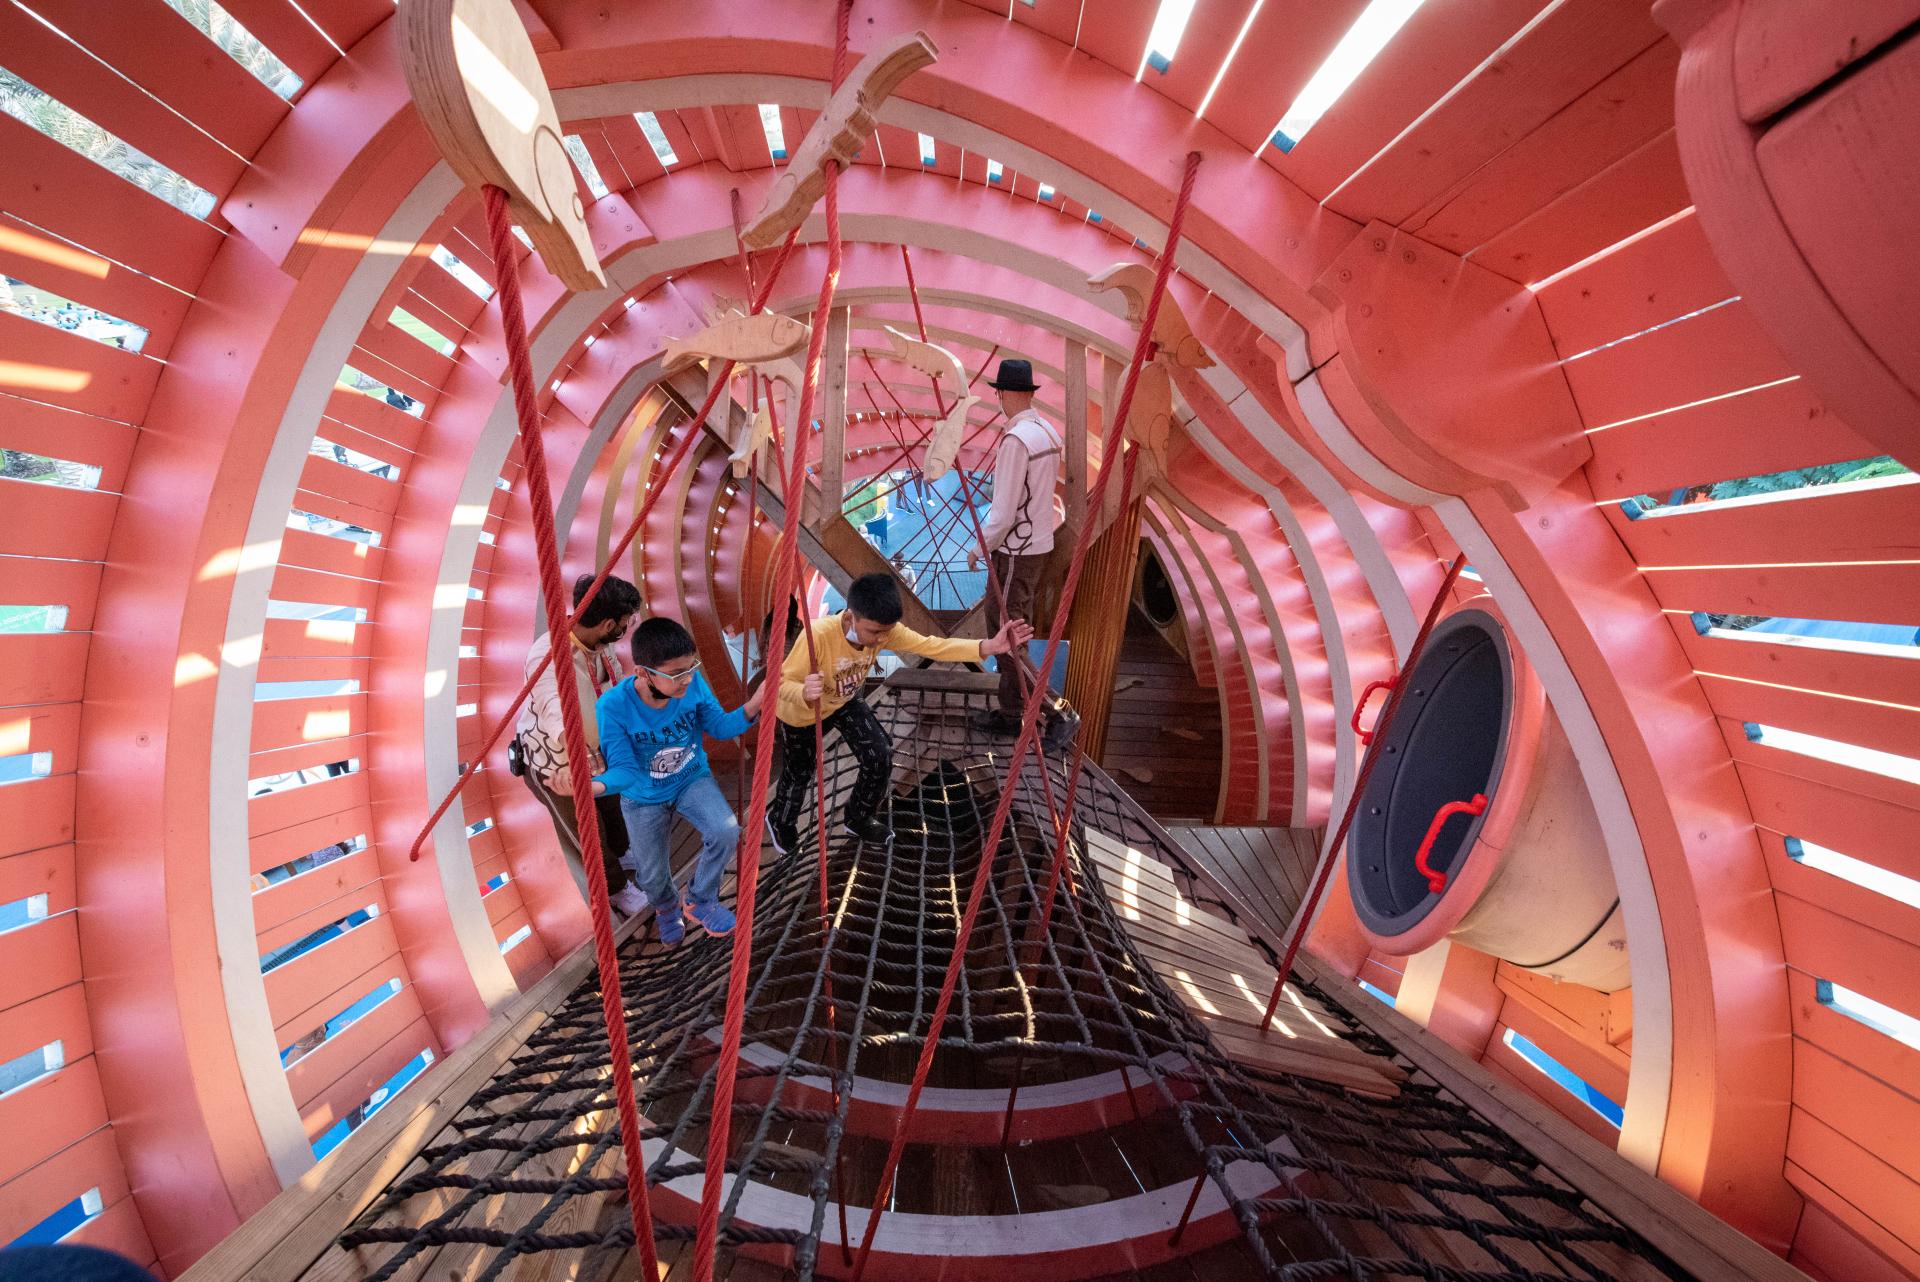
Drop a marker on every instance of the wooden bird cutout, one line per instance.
(477, 85)
(753, 438)
(839, 133)
(943, 443)
(748, 340)
(1170, 329)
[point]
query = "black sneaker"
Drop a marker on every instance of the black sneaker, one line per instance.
(785, 837)
(873, 828)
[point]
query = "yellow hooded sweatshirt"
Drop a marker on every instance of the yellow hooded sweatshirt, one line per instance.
(845, 665)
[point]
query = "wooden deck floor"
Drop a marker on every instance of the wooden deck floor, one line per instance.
(1164, 742)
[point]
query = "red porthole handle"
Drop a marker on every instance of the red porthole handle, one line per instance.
(1360, 706)
(1437, 881)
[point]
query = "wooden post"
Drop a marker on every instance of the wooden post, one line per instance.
(833, 422)
(1098, 625)
(1075, 429)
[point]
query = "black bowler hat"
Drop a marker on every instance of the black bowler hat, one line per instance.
(1014, 376)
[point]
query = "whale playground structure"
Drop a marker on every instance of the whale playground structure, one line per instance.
(1472, 830)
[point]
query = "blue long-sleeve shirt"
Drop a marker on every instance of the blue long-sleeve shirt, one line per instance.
(654, 753)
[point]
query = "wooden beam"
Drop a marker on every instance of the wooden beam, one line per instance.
(824, 506)
(1076, 433)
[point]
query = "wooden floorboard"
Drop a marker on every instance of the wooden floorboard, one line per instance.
(1163, 740)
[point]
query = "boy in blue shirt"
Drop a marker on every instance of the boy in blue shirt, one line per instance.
(651, 730)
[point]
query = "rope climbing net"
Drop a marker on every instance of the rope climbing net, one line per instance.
(1294, 1175)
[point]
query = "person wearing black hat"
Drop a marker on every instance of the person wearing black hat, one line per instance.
(1021, 524)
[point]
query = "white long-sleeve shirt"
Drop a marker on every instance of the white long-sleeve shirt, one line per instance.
(1025, 469)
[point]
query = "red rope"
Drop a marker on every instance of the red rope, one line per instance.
(613, 558)
(579, 766)
(1029, 725)
(727, 1069)
(1380, 729)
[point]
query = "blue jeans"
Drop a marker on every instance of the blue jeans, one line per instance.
(701, 804)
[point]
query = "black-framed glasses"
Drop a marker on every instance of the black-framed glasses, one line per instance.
(671, 676)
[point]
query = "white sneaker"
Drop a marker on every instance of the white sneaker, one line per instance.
(630, 901)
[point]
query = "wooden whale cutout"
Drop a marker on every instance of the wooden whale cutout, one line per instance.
(943, 443)
(842, 129)
(477, 85)
(1170, 329)
(1150, 417)
(746, 340)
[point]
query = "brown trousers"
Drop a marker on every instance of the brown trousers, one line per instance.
(1025, 579)
(613, 833)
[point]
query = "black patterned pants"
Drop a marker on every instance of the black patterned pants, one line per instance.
(864, 736)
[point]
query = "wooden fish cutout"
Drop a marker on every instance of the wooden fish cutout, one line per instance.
(1170, 329)
(477, 85)
(943, 443)
(839, 133)
(747, 340)
(753, 438)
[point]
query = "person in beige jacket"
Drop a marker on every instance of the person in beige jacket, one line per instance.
(542, 739)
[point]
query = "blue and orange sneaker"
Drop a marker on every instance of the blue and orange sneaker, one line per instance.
(714, 918)
(667, 921)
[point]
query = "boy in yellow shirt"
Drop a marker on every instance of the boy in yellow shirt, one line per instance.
(846, 645)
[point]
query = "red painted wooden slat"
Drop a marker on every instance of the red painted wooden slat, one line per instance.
(1719, 351)
(42, 667)
(292, 583)
(306, 550)
(1828, 946)
(1835, 894)
(1889, 1196)
(54, 432)
(32, 580)
(290, 841)
(378, 520)
(1629, 196)
(47, 1115)
(612, 172)
(354, 1088)
(1869, 725)
(1439, 46)
(47, 871)
(49, 186)
(305, 756)
(1667, 273)
(630, 146)
(400, 379)
(1581, 91)
(31, 255)
(300, 806)
(319, 916)
(159, 50)
(1880, 677)
(67, 73)
(1783, 50)
(315, 1073)
(1504, 1061)
(1880, 831)
(374, 417)
(313, 669)
(401, 350)
(1772, 429)
(287, 900)
(1849, 1039)
(51, 728)
(1836, 1243)
(1115, 32)
(324, 476)
(318, 637)
(1871, 593)
(281, 27)
(349, 989)
(1825, 523)
(306, 979)
(58, 1016)
(36, 813)
(62, 368)
(40, 958)
(281, 723)
(94, 1162)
